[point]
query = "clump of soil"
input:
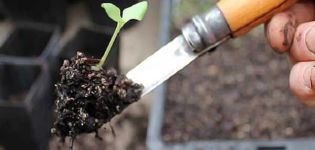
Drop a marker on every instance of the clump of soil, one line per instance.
(239, 92)
(88, 98)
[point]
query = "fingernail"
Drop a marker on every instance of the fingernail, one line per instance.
(310, 39)
(312, 78)
(309, 77)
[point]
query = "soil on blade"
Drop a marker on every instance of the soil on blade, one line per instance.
(87, 99)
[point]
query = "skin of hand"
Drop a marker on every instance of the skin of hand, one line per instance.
(293, 32)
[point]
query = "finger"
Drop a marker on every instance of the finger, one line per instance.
(281, 28)
(302, 82)
(303, 48)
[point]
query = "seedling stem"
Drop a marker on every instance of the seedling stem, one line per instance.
(135, 12)
(109, 47)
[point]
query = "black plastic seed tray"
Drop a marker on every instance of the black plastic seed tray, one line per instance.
(25, 104)
(29, 40)
(50, 12)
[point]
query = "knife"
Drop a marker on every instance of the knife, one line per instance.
(227, 19)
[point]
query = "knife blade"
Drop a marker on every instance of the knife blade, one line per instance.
(224, 21)
(163, 64)
(180, 52)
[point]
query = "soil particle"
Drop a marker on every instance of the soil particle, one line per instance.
(312, 81)
(87, 99)
(299, 37)
(289, 30)
(288, 33)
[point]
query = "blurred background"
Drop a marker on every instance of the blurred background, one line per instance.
(238, 93)
(35, 37)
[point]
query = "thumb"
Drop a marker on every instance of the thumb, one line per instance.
(302, 82)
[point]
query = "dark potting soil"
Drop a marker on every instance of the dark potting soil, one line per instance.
(87, 99)
(239, 92)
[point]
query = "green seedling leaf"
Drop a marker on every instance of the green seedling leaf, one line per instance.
(136, 11)
(112, 11)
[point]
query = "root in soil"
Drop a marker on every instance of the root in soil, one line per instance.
(87, 98)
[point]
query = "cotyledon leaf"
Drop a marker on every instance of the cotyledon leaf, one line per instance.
(136, 11)
(113, 12)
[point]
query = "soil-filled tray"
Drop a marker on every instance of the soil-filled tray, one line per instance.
(215, 86)
(239, 92)
(25, 105)
(29, 40)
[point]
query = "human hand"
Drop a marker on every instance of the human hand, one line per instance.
(293, 32)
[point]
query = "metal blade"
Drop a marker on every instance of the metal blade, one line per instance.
(162, 64)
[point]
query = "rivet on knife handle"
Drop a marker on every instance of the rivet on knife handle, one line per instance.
(206, 31)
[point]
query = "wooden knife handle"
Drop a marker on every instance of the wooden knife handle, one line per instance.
(243, 15)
